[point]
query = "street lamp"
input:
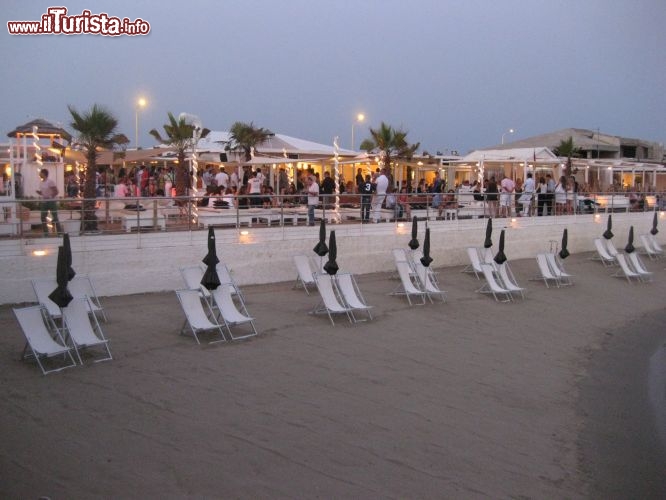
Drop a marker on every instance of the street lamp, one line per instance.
(510, 131)
(141, 103)
(359, 118)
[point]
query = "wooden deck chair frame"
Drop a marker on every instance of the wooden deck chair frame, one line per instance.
(545, 272)
(331, 298)
(82, 286)
(492, 286)
(474, 265)
(199, 315)
(557, 268)
(407, 287)
(230, 314)
(602, 253)
(304, 274)
(352, 295)
(636, 264)
(43, 340)
(82, 330)
(625, 270)
(508, 281)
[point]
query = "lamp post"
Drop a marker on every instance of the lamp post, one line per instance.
(510, 131)
(359, 118)
(141, 103)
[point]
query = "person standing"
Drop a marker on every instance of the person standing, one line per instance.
(222, 179)
(48, 191)
(507, 187)
(550, 195)
(528, 193)
(381, 187)
(254, 189)
(313, 198)
(327, 189)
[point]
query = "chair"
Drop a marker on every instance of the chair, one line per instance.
(351, 294)
(330, 298)
(602, 253)
(546, 273)
(224, 273)
(192, 276)
(558, 271)
(43, 288)
(637, 265)
(230, 314)
(400, 255)
(428, 282)
(625, 271)
(305, 274)
(655, 244)
(612, 251)
(492, 286)
(475, 262)
(648, 247)
(508, 281)
(198, 319)
(81, 286)
(407, 286)
(82, 329)
(39, 339)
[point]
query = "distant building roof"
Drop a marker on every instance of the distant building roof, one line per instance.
(44, 128)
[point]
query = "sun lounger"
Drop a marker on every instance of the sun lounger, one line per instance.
(229, 312)
(82, 330)
(545, 272)
(80, 287)
(508, 281)
(558, 271)
(492, 286)
(331, 302)
(648, 248)
(637, 265)
(474, 265)
(407, 287)
(625, 271)
(428, 281)
(41, 340)
(656, 245)
(304, 273)
(610, 246)
(198, 318)
(352, 294)
(602, 253)
(192, 276)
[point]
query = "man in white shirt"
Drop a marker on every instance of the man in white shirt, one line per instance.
(222, 178)
(382, 183)
(254, 189)
(507, 187)
(48, 191)
(528, 193)
(313, 198)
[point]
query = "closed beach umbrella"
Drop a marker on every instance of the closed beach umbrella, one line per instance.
(320, 248)
(414, 242)
(331, 267)
(210, 279)
(500, 258)
(489, 233)
(426, 259)
(564, 253)
(654, 229)
(608, 234)
(68, 256)
(61, 295)
(630, 243)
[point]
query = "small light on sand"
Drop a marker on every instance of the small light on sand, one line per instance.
(597, 216)
(39, 253)
(245, 233)
(401, 224)
(513, 220)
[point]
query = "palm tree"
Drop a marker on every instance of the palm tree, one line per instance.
(180, 136)
(567, 148)
(96, 131)
(391, 143)
(245, 137)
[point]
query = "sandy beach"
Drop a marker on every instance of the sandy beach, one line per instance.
(541, 398)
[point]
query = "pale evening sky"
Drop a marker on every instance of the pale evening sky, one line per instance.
(455, 74)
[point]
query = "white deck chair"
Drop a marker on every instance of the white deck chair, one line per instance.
(351, 294)
(545, 272)
(407, 287)
(508, 281)
(43, 288)
(625, 271)
(41, 342)
(428, 282)
(612, 251)
(602, 253)
(192, 276)
(331, 302)
(230, 314)
(655, 244)
(474, 265)
(80, 287)
(558, 270)
(486, 255)
(637, 265)
(305, 274)
(648, 247)
(492, 285)
(401, 255)
(224, 273)
(82, 329)
(198, 318)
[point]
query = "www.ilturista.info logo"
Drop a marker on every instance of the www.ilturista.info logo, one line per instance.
(57, 22)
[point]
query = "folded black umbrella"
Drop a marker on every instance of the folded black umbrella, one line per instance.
(489, 233)
(654, 229)
(564, 253)
(500, 258)
(414, 242)
(331, 267)
(68, 256)
(320, 248)
(630, 243)
(426, 259)
(210, 279)
(608, 234)
(61, 296)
